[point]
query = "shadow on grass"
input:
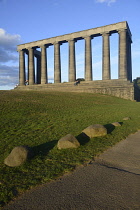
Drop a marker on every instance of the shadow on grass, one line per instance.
(109, 128)
(43, 149)
(121, 123)
(83, 138)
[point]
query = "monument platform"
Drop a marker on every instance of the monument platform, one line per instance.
(116, 87)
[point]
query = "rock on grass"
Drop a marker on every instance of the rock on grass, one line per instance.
(95, 130)
(126, 118)
(116, 124)
(18, 156)
(68, 141)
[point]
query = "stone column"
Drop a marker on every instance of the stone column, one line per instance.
(88, 59)
(123, 54)
(57, 63)
(106, 57)
(21, 67)
(72, 62)
(44, 78)
(31, 66)
(129, 59)
(38, 64)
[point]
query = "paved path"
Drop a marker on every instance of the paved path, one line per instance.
(111, 182)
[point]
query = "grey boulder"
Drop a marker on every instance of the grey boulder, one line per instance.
(95, 130)
(116, 124)
(126, 118)
(18, 156)
(68, 141)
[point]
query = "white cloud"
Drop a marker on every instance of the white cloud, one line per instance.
(8, 45)
(106, 1)
(9, 41)
(8, 58)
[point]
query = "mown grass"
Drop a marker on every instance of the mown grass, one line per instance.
(40, 119)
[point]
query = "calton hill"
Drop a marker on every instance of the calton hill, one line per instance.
(39, 119)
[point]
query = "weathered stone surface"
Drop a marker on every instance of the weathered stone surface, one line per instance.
(68, 141)
(126, 118)
(95, 130)
(116, 124)
(18, 156)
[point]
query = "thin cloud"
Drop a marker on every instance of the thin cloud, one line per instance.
(106, 1)
(6, 56)
(135, 49)
(136, 54)
(8, 75)
(50, 77)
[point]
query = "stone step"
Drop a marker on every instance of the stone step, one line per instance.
(122, 89)
(83, 84)
(71, 87)
(90, 83)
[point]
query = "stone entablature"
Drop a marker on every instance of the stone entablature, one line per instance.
(113, 28)
(125, 68)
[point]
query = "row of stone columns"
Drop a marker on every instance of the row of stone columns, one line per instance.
(125, 71)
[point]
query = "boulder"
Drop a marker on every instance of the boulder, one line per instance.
(116, 124)
(68, 141)
(95, 130)
(126, 118)
(18, 156)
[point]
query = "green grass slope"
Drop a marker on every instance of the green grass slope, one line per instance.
(40, 119)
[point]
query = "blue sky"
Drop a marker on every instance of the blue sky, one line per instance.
(24, 21)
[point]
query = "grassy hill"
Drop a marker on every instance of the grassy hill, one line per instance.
(40, 119)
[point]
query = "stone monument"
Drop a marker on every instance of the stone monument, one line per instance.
(40, 78)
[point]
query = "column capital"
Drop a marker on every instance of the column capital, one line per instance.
(30, 48)
(56, 43)
(106, 33)
(21, 50)
(72, 39)
(42, 46)
(87, 37)
(122, 30)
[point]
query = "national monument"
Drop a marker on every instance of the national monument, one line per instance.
(121, 87)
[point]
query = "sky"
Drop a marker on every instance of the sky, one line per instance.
(23, 21)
